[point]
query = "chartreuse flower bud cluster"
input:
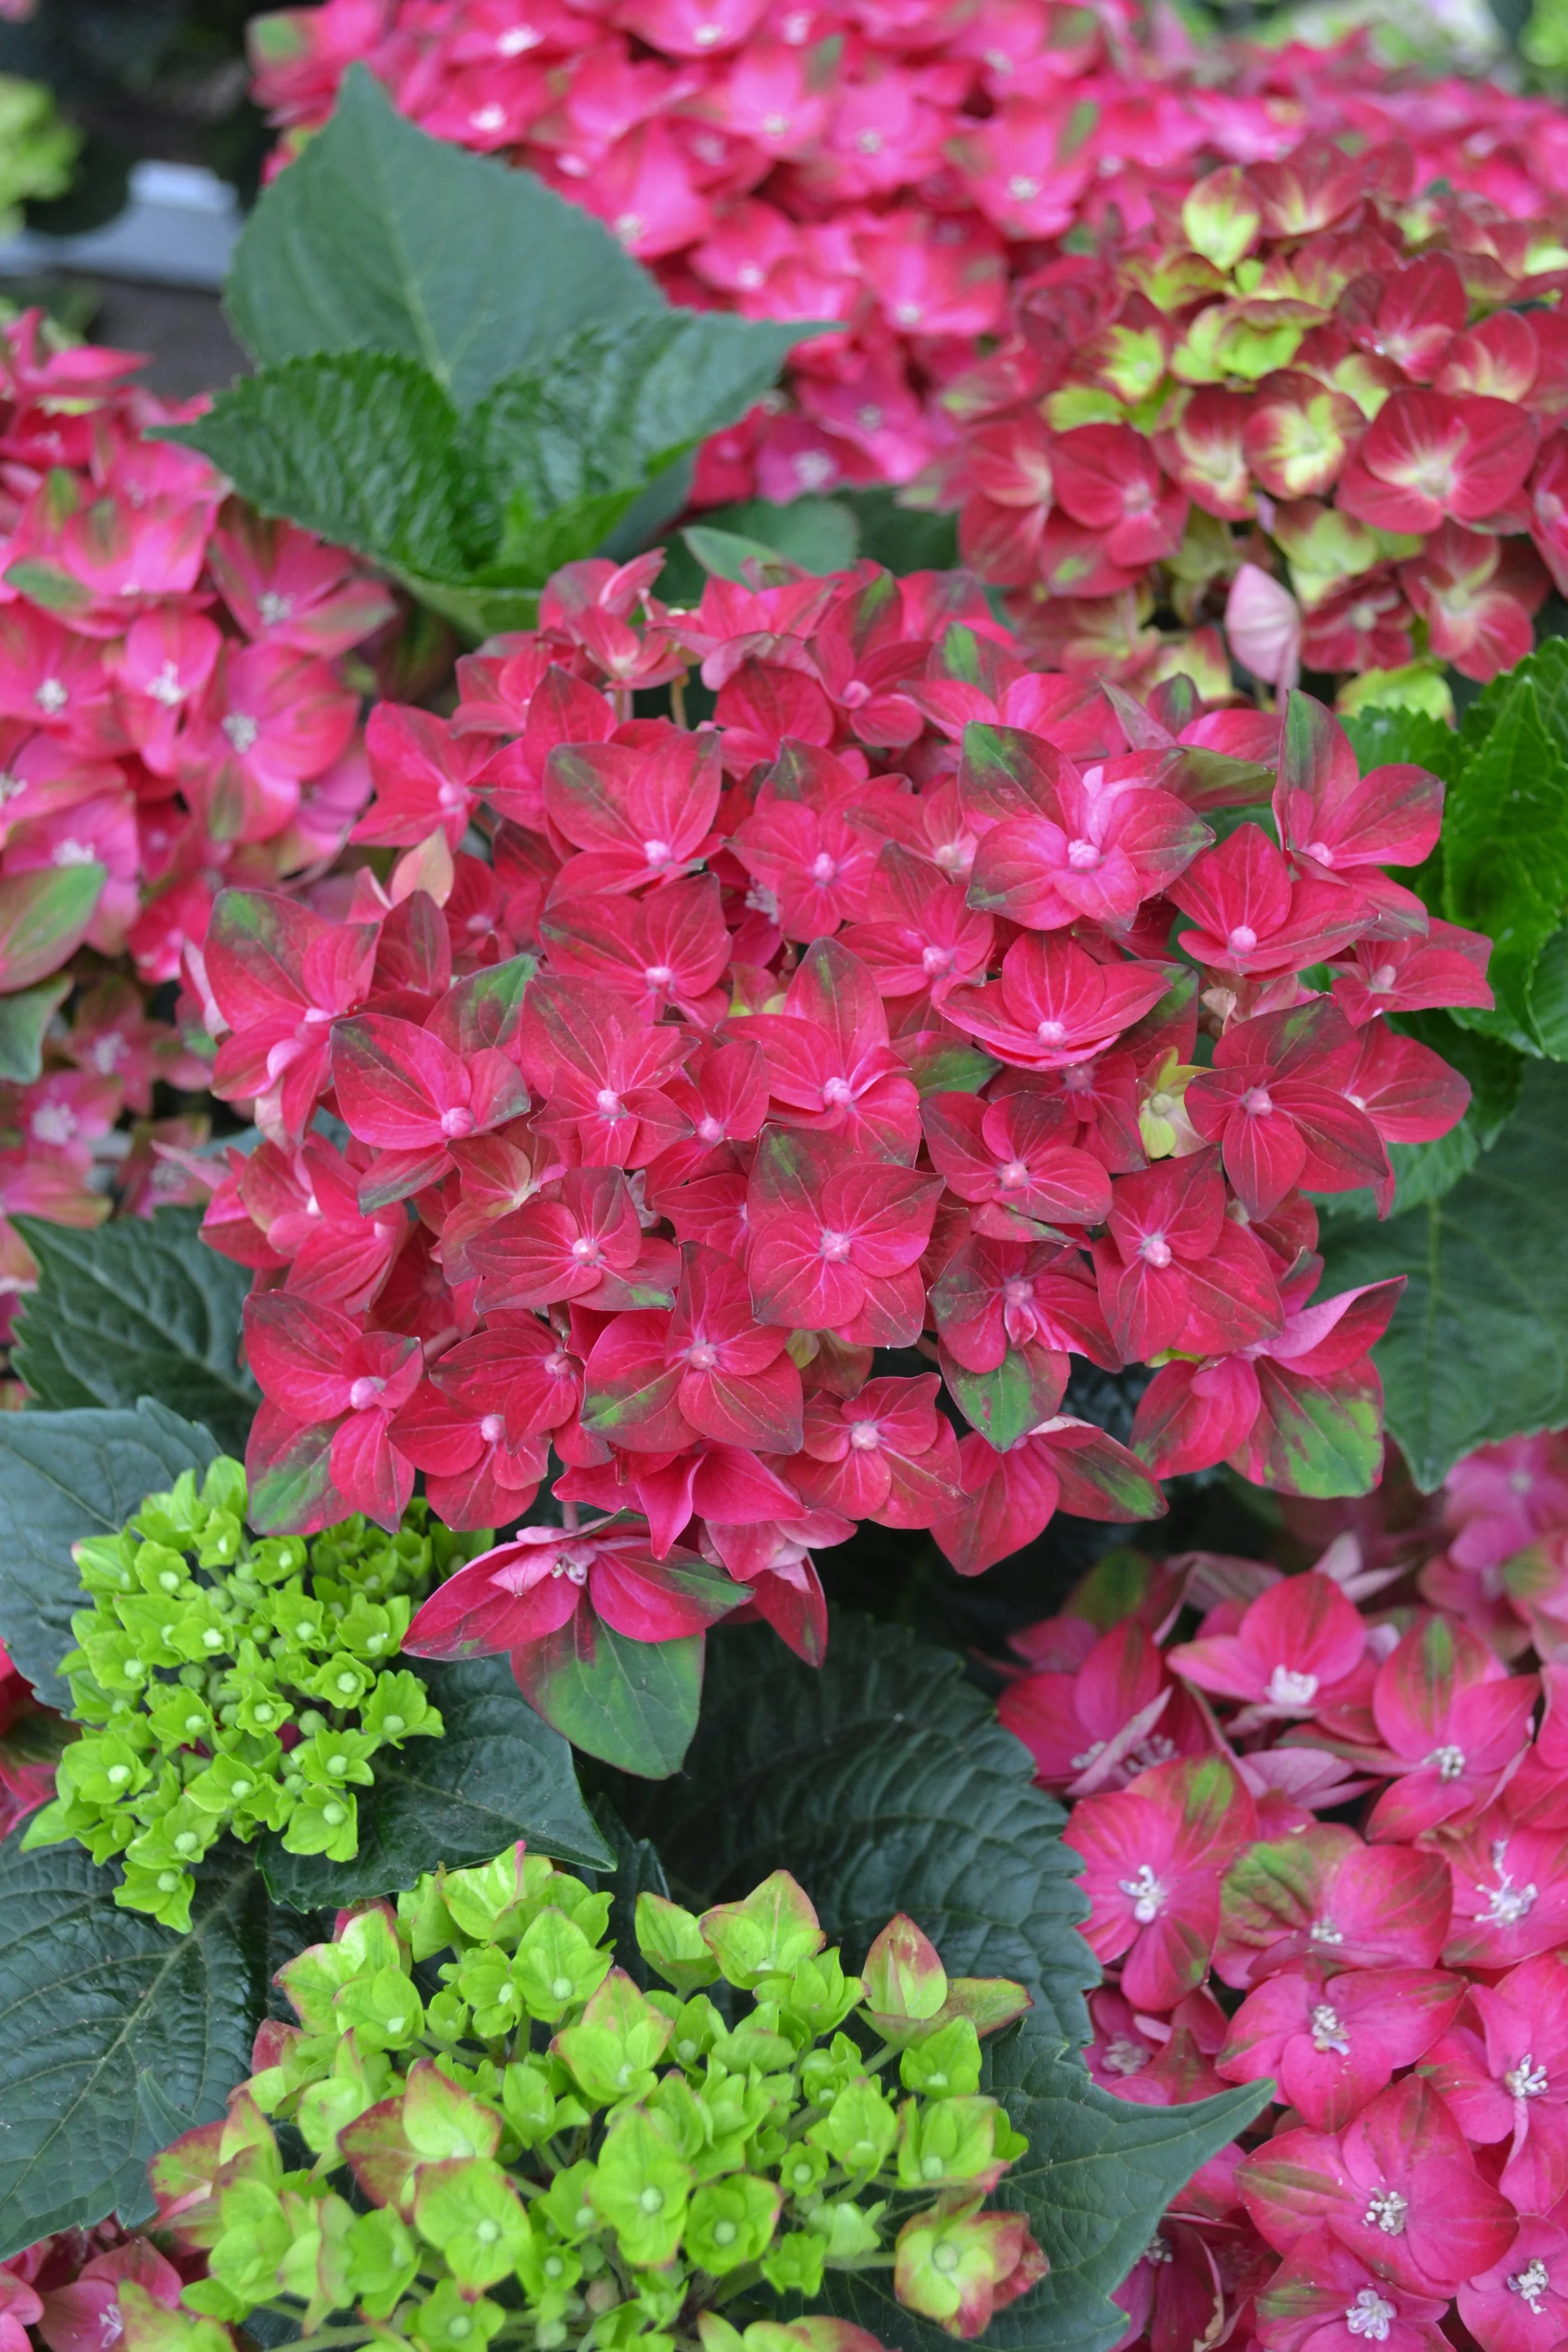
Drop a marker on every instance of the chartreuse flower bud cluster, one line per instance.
(233, 1682)
(514, 2145)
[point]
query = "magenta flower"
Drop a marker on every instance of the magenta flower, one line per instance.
(1453, 1719)
(1120, 1713)
(1332, 2043)
(1510, 1893)
(1324, 2298)
(514, 1597)
(1154, 1856)
(1521, 2302)
(1399, 2187)
(1503, 2073)
(1294, 1639)
(1325, 1897)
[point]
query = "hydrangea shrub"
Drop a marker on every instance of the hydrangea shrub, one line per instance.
(1320, 404)
(1396, 1969)
(889, 170)
(915, 1003)
(228, 1684)
(628, 2160)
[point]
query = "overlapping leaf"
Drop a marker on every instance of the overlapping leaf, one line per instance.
(64, 1476)
(884, 1782)
(1478, 1346)
(463, 376)
(137, 1309)
(115, 2035)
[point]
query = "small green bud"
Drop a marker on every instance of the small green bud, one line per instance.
(766, 1935)
(672, 1943)
(447, 2321)
(731, 2223)
(858, 2130)
(794, 2267)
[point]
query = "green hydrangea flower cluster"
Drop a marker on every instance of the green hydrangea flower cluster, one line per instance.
(518, 2146)
(233, 1683)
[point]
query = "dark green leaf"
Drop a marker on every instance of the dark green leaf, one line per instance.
(357, 446)
(23, 1021)
(569, 446)
(1098, 2174)
(633, 1704)
(884, 1782)
(1546, 669)
(818, 535)
(381, 238)
(904, 539)
(496, 1775)
(115, 2034)
(1478, 1349)
(637, 1871)
(64, 1476)
(138, 1309)
(1387, 737)
(1505, 854)
(1549, 997)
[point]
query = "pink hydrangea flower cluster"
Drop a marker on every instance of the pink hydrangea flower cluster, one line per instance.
(1313, 404)
(847, 1021)
(172, 714)
(66, 2288)
(886, 164)
(1402, 1980)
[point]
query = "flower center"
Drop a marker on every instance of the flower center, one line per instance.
(864, 1437)
(837, 1091)
(823, 867)
(242, 731)
(1122, 2056)
(364, 1392)
(1257, 1102)
(1154, 1250)
(1082, 856)
(52, 696)
(1370, 2316)
(1052, 1032)
(1525, 2080)
(702, 1355)
(1146, 1893)
(1530, 2284)
(459, 1120)
(1323, 1931)
(1243, 939)
(1328, 2033)
(1288, 1687)
(1386, 2213)
(1449, 1761)
(492, 1428)
(834, 1247)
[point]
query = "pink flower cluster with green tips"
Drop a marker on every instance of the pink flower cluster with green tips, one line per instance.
(1310, 420)
(891, 168)
(1398, 1968)
(915, 1002)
